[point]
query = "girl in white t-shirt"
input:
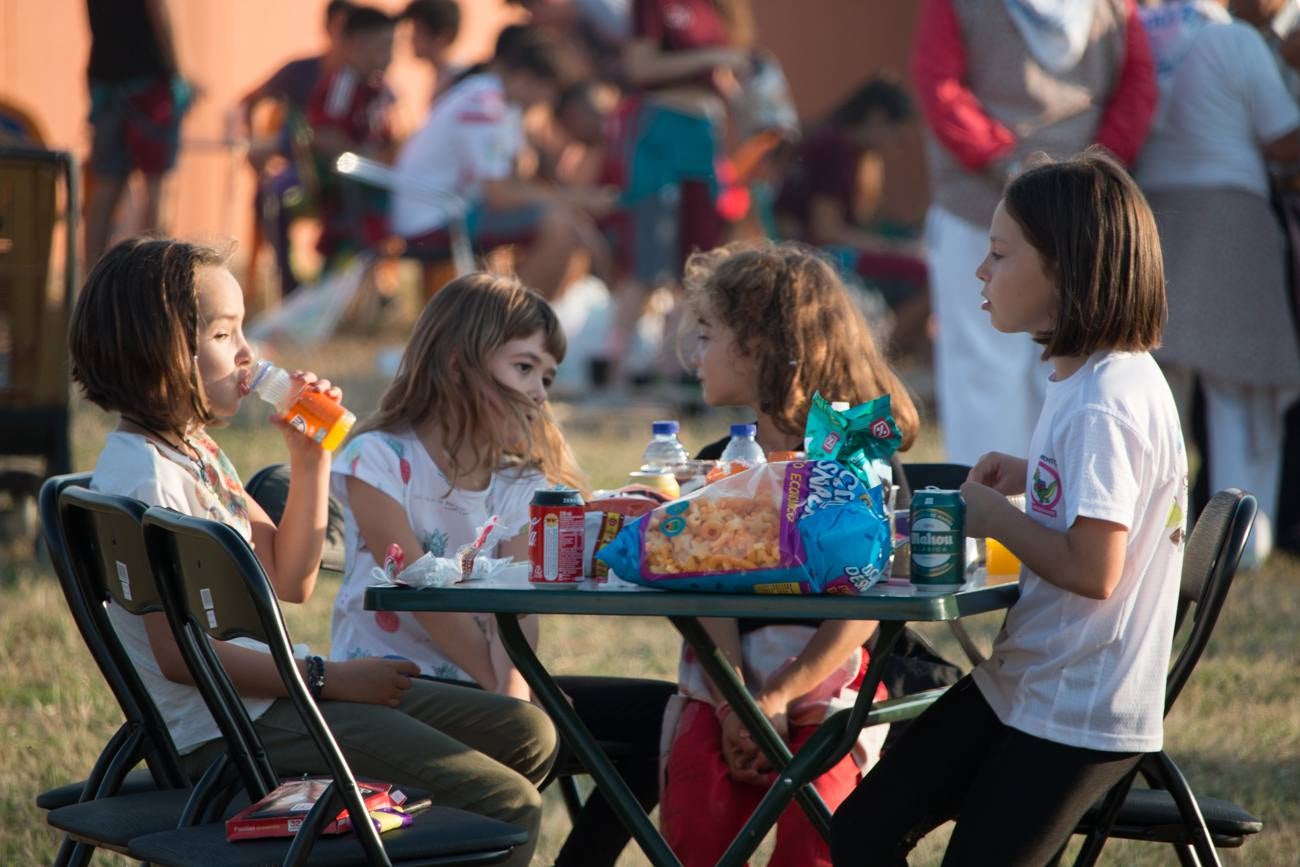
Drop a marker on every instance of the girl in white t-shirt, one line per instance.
(1073, 692)
(157, 337)
(463, 433)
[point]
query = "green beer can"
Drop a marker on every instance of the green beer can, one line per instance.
(938, 539)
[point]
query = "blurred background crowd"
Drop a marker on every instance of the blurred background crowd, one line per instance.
(591, 145)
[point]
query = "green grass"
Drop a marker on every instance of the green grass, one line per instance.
(1235, 731)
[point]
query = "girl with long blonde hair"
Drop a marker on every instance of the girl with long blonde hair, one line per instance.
(464, 433)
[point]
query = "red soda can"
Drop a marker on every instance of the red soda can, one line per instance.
(556, 536)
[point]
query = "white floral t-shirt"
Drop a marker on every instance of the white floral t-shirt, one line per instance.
(443, 519)
(135, 466)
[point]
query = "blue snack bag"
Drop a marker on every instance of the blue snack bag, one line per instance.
(799, 527)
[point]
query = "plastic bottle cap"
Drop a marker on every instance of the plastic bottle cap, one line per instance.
(664, 428)
(744, 430)
(840, 405)
(270, 383)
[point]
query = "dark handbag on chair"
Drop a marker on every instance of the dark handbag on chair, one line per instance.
(914, 666)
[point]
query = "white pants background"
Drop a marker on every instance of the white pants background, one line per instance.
(1244, 427)
(989, 386)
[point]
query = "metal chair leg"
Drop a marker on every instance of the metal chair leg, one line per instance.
(1090, 851)
(70, 853)
(968, 645)
(572, 798)
(1173, 780)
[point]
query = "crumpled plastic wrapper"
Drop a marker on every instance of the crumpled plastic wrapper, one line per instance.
(467, 565)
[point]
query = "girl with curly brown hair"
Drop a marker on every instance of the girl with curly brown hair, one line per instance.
(774, 325)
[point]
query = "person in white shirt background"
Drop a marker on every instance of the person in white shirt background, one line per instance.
(465, 155)
(1224, 114)
(1278, 21)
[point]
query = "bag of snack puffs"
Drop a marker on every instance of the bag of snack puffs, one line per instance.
(863, 438)
(796, 527)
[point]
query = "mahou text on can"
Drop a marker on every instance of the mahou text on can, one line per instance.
(938, 538)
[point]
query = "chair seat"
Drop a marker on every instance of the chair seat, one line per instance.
(132, 784)
(1151, 814)
(440, 835)
(114, 822)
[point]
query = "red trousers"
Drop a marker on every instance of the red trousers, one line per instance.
(702, 808)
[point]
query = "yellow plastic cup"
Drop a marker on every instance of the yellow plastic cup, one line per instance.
(999, 560)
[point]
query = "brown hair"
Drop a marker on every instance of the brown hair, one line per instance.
(443, 377)
(1091, 224)
(134, 333)
(788, 305)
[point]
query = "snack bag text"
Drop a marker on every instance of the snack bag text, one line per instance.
(796, 527)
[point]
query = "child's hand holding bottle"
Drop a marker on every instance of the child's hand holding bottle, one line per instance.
(304, 404)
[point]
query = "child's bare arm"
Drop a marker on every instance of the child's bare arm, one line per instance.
(725, 633)
(290, 551)
(382, 521)
(253, 672)
(832, 643)
(1087, 559)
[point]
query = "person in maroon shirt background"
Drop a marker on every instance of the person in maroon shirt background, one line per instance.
(679, 58)
(348, 111)
(282, 196)
(822, 202)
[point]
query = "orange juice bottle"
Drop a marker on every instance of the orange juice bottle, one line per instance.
(999, 560)
(311, 412)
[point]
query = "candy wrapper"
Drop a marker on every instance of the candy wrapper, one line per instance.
(431, 571)
(796, 528)
(607, 512)
(863, 438)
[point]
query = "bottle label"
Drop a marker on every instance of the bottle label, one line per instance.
(314, 415)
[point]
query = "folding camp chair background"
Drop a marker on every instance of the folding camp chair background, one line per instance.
(34, 311)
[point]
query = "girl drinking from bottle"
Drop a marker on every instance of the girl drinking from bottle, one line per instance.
(462, 434)
(775, 324)
(157, 337)
(1073, 692)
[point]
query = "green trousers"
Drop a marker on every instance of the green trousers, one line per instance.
(470, 749)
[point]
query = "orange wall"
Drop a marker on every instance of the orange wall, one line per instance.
(827, 47)
(227, 46)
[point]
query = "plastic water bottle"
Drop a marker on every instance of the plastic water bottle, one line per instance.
(743, 447)
(665, 451)
(311, 412)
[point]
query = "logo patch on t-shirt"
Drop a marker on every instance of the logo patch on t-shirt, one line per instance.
(1174, 522)
(1046, 489)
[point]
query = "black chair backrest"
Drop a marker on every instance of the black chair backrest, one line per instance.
(269, 486)
(1210, 561)
(210, 604)
(948, 477)
(213, 586)
(97, 548)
